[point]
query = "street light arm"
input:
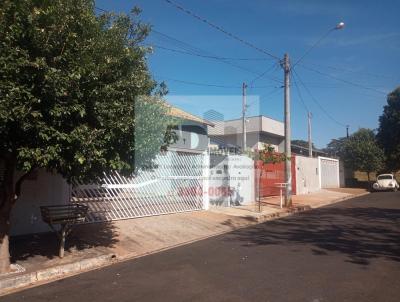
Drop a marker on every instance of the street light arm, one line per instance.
(337, 27)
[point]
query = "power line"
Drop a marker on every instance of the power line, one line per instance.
(316, 101)
(262, 75)
(299, 94)
(208, 84)
(205, 84)
(101, 9)
(312, 47)
(196, 50)
(344, 81)
(200, 52)
(206, 56)
(198, 84)
(351, 71)
(219, 28)
(262, 98)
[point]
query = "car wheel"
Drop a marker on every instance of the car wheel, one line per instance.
(395, 189)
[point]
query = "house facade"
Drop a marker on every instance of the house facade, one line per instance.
(260, 130)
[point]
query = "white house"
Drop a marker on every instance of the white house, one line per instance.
(259, 130)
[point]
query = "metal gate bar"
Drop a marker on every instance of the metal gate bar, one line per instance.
(174, 185)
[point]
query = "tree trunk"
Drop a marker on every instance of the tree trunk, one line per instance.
(4, 246)
(369, 181)
(7, 196)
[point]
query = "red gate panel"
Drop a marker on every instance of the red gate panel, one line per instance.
(268, 175)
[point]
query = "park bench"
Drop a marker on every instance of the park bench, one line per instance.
(66, 216)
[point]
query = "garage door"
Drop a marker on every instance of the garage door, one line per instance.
(329, 176)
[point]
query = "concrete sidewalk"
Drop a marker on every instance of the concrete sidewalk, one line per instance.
(95, 245)
(270, 206)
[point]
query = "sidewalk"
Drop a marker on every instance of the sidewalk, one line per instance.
(270, 206)
(95, 245)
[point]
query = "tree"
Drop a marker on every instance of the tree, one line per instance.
(74, 91)
(389, 130)
(362, 152)
(335, 147)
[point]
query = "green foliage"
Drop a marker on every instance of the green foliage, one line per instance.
(268, 155)
(336, 147)
(75, 88)
(362, 152)
(389, 130)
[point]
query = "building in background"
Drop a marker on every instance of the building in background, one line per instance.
(260, 130)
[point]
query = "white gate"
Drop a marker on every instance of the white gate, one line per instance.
(174, 185)
(329, 172)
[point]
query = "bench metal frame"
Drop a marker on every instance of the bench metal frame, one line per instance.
(66, 216)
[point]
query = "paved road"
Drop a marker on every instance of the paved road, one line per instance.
(345, 252)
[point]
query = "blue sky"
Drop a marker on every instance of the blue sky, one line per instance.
(366, 53)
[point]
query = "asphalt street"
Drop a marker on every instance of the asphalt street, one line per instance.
(349, 251)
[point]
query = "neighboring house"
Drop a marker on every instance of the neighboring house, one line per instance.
(192, 132)
(260, 130)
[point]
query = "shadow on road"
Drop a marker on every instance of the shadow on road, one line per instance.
(361, 233)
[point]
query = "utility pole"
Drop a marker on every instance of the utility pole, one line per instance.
(310, 150)
(244, 107)
(347, 131)
(288, 153)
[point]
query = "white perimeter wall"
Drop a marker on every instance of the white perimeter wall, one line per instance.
(307, 175)
(232, 181)
(43, 189)
(241, 170)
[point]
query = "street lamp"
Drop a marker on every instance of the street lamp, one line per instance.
(287, 67)
(340, 25)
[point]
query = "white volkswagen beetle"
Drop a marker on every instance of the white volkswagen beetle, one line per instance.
(385, 182)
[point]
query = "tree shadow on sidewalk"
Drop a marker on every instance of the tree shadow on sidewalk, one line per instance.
(361, 233)
(85, 238)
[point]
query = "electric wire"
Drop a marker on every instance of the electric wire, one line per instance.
(205, 84)
(380, 76)
(220, 29)
(205, 56)
(299, 94)
(186, 46)
(193, 50)
(316, 101)
(312, 47)
(344, 81)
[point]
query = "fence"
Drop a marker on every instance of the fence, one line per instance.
(176, 184)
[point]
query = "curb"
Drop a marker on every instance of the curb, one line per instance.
(13, 283)
(16, 282)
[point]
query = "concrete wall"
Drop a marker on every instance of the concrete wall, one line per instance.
(42, 189)
(307, 175)
(231, 180)
(272, 126)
